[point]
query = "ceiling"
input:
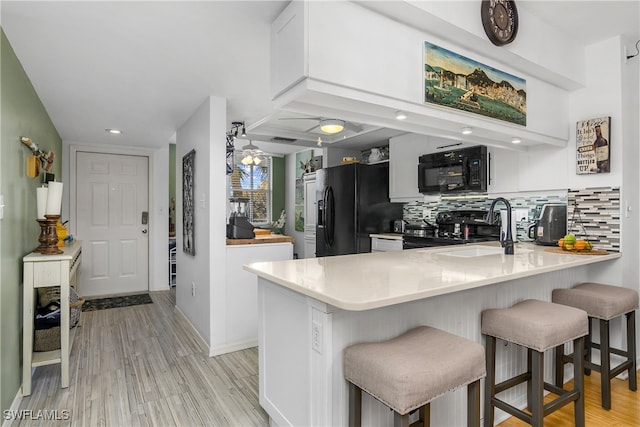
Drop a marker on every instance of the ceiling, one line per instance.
(144, 67)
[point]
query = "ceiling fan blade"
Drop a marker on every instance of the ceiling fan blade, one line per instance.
(301, 118)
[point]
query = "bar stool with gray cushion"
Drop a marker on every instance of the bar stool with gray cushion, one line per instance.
(538, 326)
(408, 372)
(603, 302)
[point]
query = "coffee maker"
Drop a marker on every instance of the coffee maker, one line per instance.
(239, 226)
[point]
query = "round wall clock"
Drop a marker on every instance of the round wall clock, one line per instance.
(500, 20)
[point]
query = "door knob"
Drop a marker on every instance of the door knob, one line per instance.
(144, 231)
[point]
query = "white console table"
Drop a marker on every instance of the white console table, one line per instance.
(44, 271)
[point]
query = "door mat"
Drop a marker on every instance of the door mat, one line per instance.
(115, 302)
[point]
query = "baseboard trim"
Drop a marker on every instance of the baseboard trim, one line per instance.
(14, 407)
(230, 348)
(203, 342)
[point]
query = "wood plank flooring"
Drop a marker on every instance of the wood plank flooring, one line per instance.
(143, 366)
(625, 407)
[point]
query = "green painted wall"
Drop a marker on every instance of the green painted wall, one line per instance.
(278, 187)
(22, 114)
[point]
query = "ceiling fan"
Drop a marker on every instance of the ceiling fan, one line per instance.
(329, 126)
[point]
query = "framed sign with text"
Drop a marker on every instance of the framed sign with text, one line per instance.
(593, 151)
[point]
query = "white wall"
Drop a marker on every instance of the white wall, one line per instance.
(204, 131)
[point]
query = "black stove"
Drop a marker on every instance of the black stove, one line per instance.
(452, 228)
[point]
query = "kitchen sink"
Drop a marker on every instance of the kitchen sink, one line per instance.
(474, 252)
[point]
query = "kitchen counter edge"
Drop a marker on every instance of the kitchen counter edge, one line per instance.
(568, 261)
(270, 238)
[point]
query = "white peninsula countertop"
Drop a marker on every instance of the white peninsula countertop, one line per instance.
(373, 280)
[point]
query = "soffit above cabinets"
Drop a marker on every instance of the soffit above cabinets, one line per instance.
(300, 129)
(377, 118)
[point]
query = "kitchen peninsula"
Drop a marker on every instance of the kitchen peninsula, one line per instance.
(311, 309)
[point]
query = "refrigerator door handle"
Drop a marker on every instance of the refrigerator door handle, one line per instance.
(324, 216)
(330, 225)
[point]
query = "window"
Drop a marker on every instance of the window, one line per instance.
(253, 182)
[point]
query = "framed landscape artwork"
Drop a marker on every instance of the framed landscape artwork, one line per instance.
(188, 206)
(455, 81)
(592, 146)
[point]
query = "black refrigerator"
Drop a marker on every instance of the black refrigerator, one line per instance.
(352, 202)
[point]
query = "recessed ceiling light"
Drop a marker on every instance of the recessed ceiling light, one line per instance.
(516, 140)
(114, 131)
(401, 115)
(467, 130)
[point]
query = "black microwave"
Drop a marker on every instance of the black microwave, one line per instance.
(463, 170)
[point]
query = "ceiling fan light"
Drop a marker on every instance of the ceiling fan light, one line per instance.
(331, 126)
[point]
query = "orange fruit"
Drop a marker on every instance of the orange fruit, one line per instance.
(561, 243)
(580, 245)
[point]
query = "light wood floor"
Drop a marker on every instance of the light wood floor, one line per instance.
(143, 366)
(625, 407)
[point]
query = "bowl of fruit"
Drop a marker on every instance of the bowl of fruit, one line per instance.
(570, 243)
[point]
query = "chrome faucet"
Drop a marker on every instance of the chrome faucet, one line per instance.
(506, 239)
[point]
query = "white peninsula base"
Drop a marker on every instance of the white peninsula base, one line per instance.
(301, 338)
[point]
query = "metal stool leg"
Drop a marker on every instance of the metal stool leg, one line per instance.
(605, 364)
(355, 405)
(490, 380)
(631, 349)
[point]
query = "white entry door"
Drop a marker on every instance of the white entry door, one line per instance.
(112, 204)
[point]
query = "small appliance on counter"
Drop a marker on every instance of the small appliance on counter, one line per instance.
(239, 226)
(399, 225)
(550, 224)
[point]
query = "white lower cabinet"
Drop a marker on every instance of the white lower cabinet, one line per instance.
(381, 244)
(310, 246)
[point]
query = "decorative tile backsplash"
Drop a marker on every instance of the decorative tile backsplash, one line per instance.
(597, 215)
(598, 207)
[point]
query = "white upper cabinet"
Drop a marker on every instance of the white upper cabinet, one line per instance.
(404, 151)
(503, 171)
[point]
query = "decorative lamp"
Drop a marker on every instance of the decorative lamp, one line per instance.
(251, 155)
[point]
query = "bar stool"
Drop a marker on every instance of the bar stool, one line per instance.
(603, 302)
(408, 372)
(538, 326)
